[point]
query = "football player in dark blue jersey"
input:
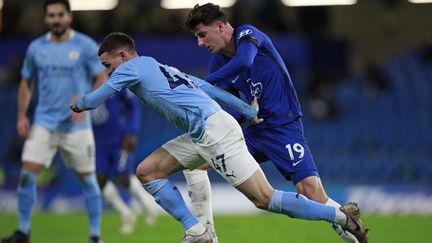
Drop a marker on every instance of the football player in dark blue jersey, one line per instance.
(115, 126)
(246, 62)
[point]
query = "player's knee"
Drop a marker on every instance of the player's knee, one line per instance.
(141, 173)
(145, 173)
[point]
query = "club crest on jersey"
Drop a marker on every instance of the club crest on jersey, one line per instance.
(245, 32)
(73, 55)
(255, 88)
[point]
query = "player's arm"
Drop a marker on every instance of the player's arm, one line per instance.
(226, 99)
(243, 59)
(124, 76)
(24, 97)
(92, 100)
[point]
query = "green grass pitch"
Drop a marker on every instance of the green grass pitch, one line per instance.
(265, 228)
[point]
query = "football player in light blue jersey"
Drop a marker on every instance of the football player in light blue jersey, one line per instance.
(61, 64)
(246, 62)
(211, 136)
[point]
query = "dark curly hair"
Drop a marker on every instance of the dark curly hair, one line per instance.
(205, 14)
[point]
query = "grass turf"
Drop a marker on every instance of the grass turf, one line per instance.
(266, 228)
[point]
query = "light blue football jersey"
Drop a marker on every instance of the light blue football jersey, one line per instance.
(168, 92)
(61, 70)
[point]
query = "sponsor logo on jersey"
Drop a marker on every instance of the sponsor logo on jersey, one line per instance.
(245, 32)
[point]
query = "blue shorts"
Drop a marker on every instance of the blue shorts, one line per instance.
(111, 162)
(286, 147)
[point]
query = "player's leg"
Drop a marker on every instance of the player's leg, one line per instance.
(240, 169)
(123, 167)
(145, 200)
(199, 191)
(105, 156)
(224, 146)
(287, 148)
(38, 151)
(112, 196)
(153, 172)
(78, 151)
(313, 189)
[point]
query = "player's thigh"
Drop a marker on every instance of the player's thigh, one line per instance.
(77, 150)
(223, 147)
(185, 151)
(287, 148)
(158, 165)
(40, 147)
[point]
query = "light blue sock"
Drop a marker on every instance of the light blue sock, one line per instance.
(26, 198)
(169, 198)
(93, 202)
(298, 206)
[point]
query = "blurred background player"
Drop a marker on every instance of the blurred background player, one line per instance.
(246, 63)
(61, 63)
(210, 136)
(116, 126)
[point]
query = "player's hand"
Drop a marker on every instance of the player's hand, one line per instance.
(255, 105)
(255, 120)
(77, 115)
(72, 104)
(129, 142)
(23, 127)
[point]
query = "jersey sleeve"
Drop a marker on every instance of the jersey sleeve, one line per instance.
(28, 70)
(243, 59)
(248, 39)
(124, 76)
(94, 99)
(227, 100)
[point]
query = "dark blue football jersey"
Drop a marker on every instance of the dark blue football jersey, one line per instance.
(266, 77)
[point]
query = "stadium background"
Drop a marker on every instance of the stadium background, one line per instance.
(363, 73)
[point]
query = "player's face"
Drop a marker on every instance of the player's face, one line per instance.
(111, 61)
(211, 36)
(57, 18)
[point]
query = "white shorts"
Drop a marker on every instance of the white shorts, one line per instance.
(222, 146)
(77, 148)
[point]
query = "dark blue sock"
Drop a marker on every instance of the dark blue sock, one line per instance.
(298, 206)
(169, 198)
(26, 198)
(93, 202)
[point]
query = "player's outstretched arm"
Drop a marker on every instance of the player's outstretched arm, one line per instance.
(91, 100)
(226, 99)
(243, 59)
